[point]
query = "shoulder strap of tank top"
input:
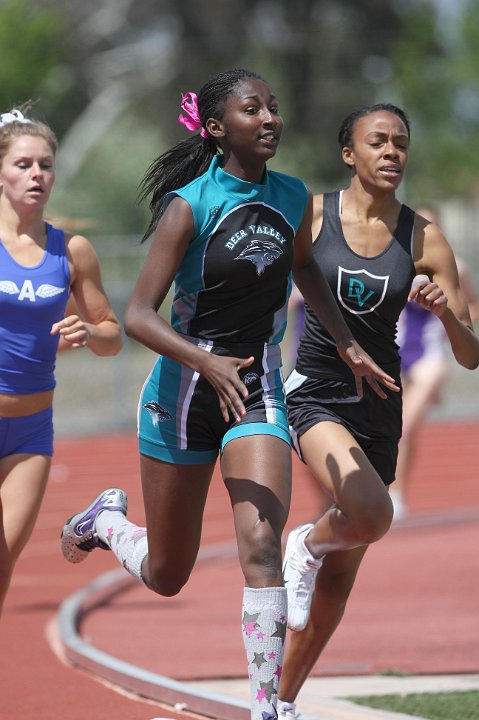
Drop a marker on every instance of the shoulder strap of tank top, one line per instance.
(55, 240)
(56, 246)
(405, 227)
(330, 222)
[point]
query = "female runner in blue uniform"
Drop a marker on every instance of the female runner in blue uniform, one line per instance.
(370, 247)
(40, 266)
(228, 232)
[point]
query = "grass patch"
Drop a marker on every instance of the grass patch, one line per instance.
(433, 706)
(393, 672)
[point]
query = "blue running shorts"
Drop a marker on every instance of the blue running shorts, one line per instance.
(32, 434)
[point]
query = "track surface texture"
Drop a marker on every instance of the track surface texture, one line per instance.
(413, 610)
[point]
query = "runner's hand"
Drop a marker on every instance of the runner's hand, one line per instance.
(363, 366)
(222, 373)
(428, 295)
(73, 330)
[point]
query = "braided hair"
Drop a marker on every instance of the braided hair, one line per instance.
(345, 135)
(191, 157)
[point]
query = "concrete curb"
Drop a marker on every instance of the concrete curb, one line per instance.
(323, 698)
(204, 698)
(141, 682)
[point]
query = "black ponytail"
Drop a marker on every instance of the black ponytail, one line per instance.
(172, 170)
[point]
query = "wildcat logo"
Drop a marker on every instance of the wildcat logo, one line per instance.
(359, 291)
(158, 414)
(28, 292)
(261, 253)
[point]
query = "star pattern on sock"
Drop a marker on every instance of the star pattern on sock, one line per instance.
(249, 623)
(259, 659)
(261, 695)
(264, 635)
(119, 536)
(138, 535)
(267, 689)
(280, 631)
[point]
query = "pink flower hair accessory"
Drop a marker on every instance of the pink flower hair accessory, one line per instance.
(189, 105)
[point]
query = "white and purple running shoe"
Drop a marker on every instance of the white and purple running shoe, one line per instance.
(79, 536)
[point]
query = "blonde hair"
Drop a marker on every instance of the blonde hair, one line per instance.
(11, 130)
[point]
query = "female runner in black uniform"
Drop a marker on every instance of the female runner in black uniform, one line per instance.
(370, 247)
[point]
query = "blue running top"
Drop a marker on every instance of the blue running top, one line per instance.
(31, 300)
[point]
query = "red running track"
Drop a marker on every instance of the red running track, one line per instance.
(414, 607)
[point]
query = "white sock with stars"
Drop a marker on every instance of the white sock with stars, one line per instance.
(264, 632)
(127, 541)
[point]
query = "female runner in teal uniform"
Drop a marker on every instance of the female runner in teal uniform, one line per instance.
(370, 248)
(228, 232)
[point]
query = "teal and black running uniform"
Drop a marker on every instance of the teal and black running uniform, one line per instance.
(231, 298)
(370, 292)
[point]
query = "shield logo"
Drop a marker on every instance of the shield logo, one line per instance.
(359, 291)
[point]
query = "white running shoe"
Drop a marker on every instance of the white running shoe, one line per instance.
(299, 572)
(79, 536)
(399, 504)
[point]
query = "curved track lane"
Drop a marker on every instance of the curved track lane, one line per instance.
(415, 600)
